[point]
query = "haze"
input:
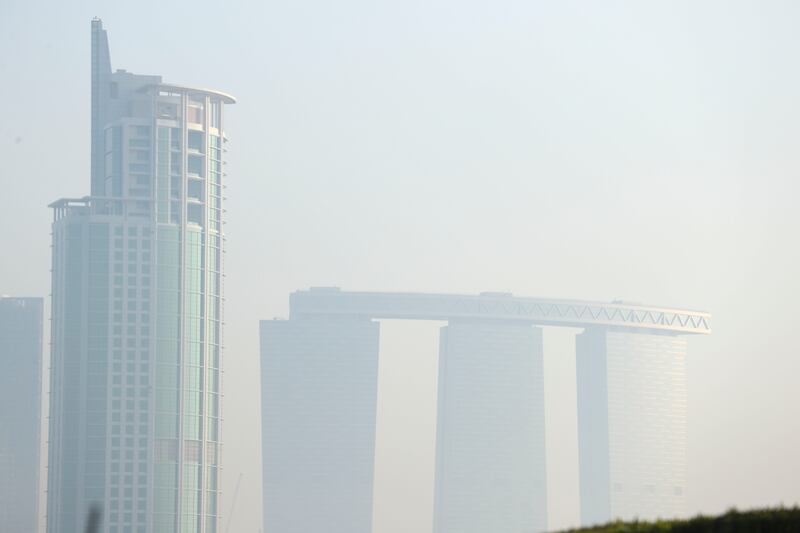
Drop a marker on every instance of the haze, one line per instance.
(592, 150)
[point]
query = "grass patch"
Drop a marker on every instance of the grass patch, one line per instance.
(773, 520)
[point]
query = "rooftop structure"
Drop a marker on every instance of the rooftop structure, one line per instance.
(499, 306)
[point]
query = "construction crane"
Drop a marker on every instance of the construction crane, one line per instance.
(233, 503)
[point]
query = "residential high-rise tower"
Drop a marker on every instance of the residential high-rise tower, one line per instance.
(137, 312)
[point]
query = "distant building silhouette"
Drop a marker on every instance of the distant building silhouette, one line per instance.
(631, 425)
(490, 450)
(137, 312)
(20, 412)
(318, 378)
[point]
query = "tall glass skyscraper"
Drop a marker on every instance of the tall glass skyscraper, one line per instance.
(20, 412)
(137, 312)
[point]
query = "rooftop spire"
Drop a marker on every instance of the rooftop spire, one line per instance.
(101, 72)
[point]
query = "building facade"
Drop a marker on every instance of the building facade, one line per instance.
(20, 412)
(137, 312)
(490, 449)
(319, 380)
(631, 425)
(490, 443)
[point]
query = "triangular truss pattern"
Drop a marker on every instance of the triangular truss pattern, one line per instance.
(493, 306)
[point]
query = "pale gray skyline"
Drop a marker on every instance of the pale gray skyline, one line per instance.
(644, 151)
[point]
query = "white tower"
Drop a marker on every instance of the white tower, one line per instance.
(137, 312)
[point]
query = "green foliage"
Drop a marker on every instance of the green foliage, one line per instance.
(778, 520)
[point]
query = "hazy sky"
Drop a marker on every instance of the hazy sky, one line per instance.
(595, 149)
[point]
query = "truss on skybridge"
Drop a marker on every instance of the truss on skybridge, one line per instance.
(332, 301)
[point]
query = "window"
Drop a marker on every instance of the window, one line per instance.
(175, 139)
(195, 214)
(214, 118)
(195, 141)
(192, 450)
(195, 113)
(139, 143)
(195, 189)
(195, 165)
(167, 110)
